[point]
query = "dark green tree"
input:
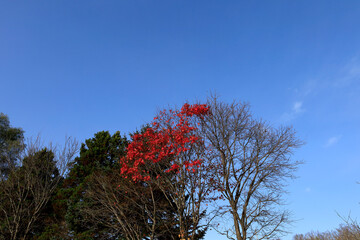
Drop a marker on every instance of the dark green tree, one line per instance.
(97, 203)
(137, 210)
(98, 154)
(11, 145)
(28, 180)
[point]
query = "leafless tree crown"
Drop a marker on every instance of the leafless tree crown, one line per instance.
(30, 186)
(253, 163)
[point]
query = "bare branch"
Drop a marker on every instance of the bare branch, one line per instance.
(30, 186)
(254, 162)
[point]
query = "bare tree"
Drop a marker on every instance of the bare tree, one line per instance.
(29, 187)
(190, 188)
(111, 207)
(253, 163)
(169, 156)
(190, 192)
(349, 231)
(132, 210)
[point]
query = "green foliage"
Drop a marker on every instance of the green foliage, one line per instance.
(52, 232)
(99, 153)
(24, 196)
(41, 165)
(64, 215)
(11, 145)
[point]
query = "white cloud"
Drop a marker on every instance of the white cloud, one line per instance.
(345, 77)
(296, 110)
(297, 107)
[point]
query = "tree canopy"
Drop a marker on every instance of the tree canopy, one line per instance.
(155, 185)
(11, 145)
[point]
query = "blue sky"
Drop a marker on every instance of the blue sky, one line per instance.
(77, 67)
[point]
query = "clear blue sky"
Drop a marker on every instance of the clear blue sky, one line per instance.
(77, 67)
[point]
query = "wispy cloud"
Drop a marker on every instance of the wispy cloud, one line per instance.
(296, 110)
(297, 107)
(310, 87)
(345, 77)
(332, 141)
(349, 74)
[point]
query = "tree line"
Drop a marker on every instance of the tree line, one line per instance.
(349, 230)
(202, 166)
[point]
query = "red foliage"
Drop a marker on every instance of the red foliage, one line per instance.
(172, 133)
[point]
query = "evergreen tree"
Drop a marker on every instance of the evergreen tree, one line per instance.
(25, 194)
(11, 145)
(101, 153)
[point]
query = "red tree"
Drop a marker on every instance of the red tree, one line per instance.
(172, 134)
(169, 154)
